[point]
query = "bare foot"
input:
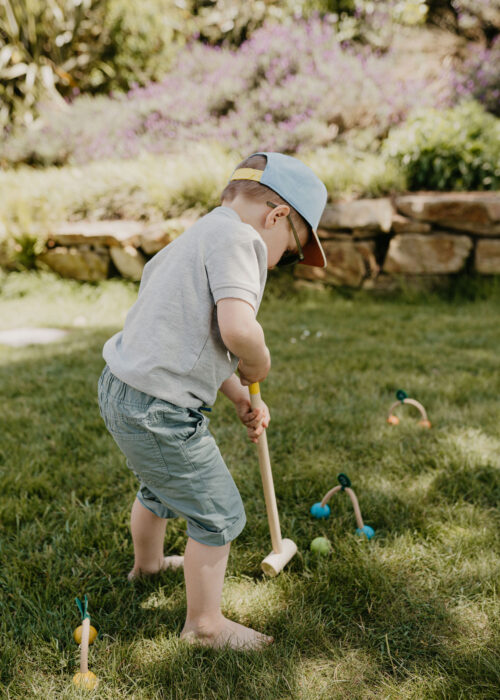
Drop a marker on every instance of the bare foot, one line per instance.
(175, 561)
(228, 633)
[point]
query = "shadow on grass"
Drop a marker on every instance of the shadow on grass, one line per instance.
(358, 624)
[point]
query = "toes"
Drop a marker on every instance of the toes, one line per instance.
(263, 641)
(190, 638)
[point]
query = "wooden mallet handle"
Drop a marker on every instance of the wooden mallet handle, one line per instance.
(267, 476)
(84, 646)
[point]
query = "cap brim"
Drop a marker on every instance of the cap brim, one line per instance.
(314, 254)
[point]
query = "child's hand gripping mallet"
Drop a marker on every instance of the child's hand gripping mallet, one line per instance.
(84, 635)
(283, 549)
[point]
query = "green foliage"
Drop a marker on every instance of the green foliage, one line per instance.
(284, 89)
(26, 248)
(23, 230)
(347, 171)
(53, 49)
(154, 188)
(230, 21)
(38, 43)
(453, 149)
(143, 40)
(477, 20)
(364, 20)
(58, 48)
(151, 188)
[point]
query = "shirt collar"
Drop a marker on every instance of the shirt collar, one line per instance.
(227, 211)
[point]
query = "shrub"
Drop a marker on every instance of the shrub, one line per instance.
(67, 47)
(63, 47)
(152, 188)
(367, 21)
(352, 173)
(454, 149)
(479, 77)
(474, 19)
(291, 87)
(231, 22)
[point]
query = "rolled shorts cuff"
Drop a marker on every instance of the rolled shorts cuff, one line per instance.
(195, 531)
(218, 538)
(154, 505)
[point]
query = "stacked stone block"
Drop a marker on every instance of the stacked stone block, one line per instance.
(367, 242)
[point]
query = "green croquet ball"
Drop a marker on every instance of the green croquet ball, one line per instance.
(321, 545)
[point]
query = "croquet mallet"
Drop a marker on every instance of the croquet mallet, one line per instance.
(85, 635)
(283, 549)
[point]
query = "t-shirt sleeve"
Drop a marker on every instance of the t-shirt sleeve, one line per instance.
(234, 265)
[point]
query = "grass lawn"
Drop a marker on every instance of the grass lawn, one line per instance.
(414, 613)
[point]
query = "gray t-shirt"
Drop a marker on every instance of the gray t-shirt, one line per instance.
(170, 346)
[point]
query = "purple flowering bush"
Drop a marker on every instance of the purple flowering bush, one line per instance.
(479, 77)
(291, 87)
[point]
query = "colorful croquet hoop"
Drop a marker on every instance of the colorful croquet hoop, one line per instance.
(402, 398)
(345, 485)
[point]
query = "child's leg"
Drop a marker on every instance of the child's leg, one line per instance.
(204, 569)
(148, 534)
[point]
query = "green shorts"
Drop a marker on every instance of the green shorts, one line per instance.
(176, 459)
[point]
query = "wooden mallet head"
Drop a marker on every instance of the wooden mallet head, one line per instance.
(276, 561)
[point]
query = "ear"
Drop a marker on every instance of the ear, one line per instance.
(274, 215)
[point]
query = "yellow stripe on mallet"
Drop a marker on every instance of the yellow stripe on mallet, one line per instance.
(283, 549)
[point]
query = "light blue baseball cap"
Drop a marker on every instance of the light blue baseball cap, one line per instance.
(298, 185)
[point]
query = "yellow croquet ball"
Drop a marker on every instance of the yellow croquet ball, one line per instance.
(86, 680)
(77, 634)
(424, 423)
(393, 420)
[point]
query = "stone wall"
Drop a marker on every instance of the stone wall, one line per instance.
(367, 242)
(370, 241)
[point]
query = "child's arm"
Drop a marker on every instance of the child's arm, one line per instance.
(254, 420)
(244, 337)
(234, 391)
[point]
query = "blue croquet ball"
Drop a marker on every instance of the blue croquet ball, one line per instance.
(365, 530)
(319, 511)
(321, 545)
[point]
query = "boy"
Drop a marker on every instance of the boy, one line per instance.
(192, 326)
